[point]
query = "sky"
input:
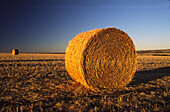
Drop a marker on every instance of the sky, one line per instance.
(49, 25)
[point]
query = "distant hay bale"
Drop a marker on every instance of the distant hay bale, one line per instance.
(101, 59)
(15, 52)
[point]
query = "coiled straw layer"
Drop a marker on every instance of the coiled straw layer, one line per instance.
(101, 59)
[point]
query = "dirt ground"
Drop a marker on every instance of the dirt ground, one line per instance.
(39, 82)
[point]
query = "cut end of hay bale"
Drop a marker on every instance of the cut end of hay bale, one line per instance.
(15, 52)
(102, 59)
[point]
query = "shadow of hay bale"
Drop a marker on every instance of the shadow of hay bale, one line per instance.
(150, 75)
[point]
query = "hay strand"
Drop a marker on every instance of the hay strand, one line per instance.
(101, 59)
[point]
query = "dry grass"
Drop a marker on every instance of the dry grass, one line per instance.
(39, 82)
(101, 59)
(153, 54)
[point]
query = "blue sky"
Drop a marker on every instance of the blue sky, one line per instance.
(49, 25)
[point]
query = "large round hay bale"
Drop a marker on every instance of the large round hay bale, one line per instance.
(15, 52)
(101, 59)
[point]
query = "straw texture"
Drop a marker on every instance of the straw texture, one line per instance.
(15, 52)
(101, 59)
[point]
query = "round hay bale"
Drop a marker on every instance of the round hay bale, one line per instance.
(15, 52)
(101, 59)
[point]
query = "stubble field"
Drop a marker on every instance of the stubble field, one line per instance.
(40, 82)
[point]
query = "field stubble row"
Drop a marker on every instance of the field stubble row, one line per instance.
(39, 82)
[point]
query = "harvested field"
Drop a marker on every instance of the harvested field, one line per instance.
(39, 82)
